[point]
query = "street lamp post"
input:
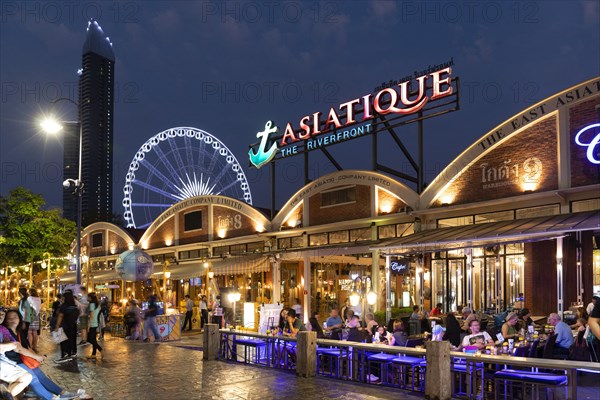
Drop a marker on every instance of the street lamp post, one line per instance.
(48, 288)
(51, 126)
(361, 294)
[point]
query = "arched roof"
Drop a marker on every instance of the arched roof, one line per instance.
(97, 226)
(507, 129)
(221, 201)
(345, 177)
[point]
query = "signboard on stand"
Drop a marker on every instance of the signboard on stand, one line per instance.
(269, 316)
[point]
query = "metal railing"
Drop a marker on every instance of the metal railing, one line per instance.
(472, 374)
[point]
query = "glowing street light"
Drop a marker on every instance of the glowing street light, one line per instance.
(52, 127)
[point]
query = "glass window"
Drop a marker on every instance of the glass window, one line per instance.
(338, 237)
(360, 234)
(192, 220)
(596, 270)
(585, 205)
(317, 239)
(219, 251)
(256, 247)
(338, 196)
(386, 231)
(405, 229)
(297, 241)
(457, 221)
(495, 217)
(97, 240)
(541, 211)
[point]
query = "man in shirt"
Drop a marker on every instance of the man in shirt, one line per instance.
(293, 324)
(590, 307)
(564, 339)
(334, 324)
(477, 338)
(437, 311)
(189, 309)
(468, 316)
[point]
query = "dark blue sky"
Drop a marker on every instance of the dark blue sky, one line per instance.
(229, 67)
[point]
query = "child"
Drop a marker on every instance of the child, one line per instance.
(382, 336)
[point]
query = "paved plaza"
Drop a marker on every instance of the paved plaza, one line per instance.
(175, 370)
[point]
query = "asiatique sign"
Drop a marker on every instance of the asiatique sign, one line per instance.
(351, 119)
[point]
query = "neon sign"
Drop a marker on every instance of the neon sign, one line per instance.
(593, 145)
(390, 100)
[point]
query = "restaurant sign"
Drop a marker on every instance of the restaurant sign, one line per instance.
(399, 266)
(589, 137)
(351, 119)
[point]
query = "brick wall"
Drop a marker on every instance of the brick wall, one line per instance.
(198, 235)
(232, 221)
(344, 212)
(505, 170)
(164, 232)
(117, 242)
(387, 200)
(583, 172)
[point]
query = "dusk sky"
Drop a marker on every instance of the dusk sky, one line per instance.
(227, 68)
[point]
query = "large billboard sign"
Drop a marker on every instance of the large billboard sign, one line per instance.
(350, 119)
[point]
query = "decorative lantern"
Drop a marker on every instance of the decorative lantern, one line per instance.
(134, 265)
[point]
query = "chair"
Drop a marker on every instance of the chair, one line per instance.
(533, 348)
(521, 352)
(549, 347)
(414, 342)
(383, 360)
(252, 347)
(329, 357)
(524, 378)
(401, 365)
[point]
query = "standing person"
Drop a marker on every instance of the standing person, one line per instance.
(345, 309)
(189, 310)
(67, 319)
(149, 317)
(26, 311)
(133, 319)
(105, 314)
(94, 314)
(34, 326)
(83, 315)
(203, 312)
(217, 310)
(55, 307)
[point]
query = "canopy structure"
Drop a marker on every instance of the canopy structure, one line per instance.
(486, 234)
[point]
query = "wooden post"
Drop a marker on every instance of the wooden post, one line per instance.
(210, 341)
(438, 378)
(306, 354)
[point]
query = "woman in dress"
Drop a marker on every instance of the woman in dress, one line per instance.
(94, 313)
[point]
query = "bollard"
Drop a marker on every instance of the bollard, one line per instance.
(210, 342)
(306, 354)
(438, 383)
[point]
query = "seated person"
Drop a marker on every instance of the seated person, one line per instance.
(524, 319)
(468, 316)
(371, 324)
(382, 336)
(416, 314)
(477, 338)
(509, 328)
(293, 325)
(350, 314)
(437, 311)
(334, 325)
(452, 333)
(16, 378)
(354, 333)
(315, 326)
(282, 318)
(565, 339)
(399, 335)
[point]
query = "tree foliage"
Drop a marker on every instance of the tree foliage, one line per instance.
(28, 230)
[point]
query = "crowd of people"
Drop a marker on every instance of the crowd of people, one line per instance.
(19, 338)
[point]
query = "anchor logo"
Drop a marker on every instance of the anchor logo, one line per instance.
(261, 157)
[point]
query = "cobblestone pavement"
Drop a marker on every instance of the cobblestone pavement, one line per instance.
(175, 370)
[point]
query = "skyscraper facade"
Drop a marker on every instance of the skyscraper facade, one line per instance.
(96, 106)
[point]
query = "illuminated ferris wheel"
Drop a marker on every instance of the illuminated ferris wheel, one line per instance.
(175, 165)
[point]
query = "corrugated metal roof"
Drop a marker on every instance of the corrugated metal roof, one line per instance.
(477, 235)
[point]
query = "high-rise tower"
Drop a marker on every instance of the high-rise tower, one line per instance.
(96, 106)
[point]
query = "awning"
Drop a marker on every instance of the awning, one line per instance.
(503, 232)
(185, 270)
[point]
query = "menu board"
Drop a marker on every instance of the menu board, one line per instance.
(269, 316)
